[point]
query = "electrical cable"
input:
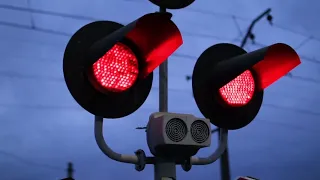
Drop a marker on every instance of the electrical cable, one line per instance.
(28, 162)
(63, 15)
(78, 108)
(20, 26)
(229, 15)
(79, 17)
(10, 7)
(93, 19)
(16, 75)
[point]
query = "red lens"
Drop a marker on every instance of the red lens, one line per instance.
(239, 91)
(117, 70)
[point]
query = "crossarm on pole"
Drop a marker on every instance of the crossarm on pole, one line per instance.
(215, 155)
(98, 132)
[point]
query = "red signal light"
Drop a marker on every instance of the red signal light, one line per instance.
(108, 68)
(117, 70)
(226, 72)
(239, 91)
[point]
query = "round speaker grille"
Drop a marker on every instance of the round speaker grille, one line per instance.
(199, 131)
(176, 130)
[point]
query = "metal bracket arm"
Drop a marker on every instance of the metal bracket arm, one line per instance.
(98, 132)
(216, 155)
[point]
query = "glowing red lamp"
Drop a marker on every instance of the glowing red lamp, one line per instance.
(228, 82)
(240, 90)
(117, 70)
(108, 67)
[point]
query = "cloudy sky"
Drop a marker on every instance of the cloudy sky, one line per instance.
(42, 127)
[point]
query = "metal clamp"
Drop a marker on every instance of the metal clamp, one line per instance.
(141, 160)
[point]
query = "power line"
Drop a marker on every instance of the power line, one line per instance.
(296, 32)
(78, 108)
(305, 41)
(16, 75)
(237, 25)
(11, 74)
(229, 15)
(94, 19)
(64, 15)
(28, 162)
(87, 18)
(44, 12)
(34, 29)
(59, 79)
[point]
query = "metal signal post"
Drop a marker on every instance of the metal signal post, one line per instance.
(164, 168)
(224, 159)
(163, 82)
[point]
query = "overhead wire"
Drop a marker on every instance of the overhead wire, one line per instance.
(16, 75)
(87, 18)
(190, 57)
(20, 26)
(237, 25)
(29, 162)
(229, 15)
(57, 79)
(67, 34)
(60, 107)
(305, 41)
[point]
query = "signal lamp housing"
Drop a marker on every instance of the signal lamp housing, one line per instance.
(228, 82)
(172, 4)
(108, 67)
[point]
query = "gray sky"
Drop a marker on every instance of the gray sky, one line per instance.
(42, 127)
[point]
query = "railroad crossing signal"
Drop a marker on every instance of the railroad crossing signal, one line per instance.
(108, 67)
(228, 82)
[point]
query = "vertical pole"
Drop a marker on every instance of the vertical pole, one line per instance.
(224, 159)
(164, 169)
(70, 170)
(163, 82)
(224, 163)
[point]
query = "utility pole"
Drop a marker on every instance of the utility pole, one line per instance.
(224, 159)
(70, 172)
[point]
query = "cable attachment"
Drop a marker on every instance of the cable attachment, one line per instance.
(186, 165)
(141, 160)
